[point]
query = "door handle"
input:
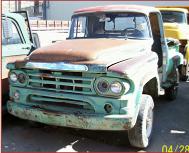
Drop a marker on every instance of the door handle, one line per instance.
(26, 48)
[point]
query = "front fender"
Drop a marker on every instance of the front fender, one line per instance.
(131, 66)
(140, 71)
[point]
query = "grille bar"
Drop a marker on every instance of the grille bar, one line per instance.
(61, 77)
(60, 90)
(60, 83)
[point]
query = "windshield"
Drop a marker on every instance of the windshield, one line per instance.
(110, 25)
(173, 16)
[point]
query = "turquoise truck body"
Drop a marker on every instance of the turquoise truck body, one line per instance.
(71, 83)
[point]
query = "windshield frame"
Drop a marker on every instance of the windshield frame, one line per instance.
(71, 31)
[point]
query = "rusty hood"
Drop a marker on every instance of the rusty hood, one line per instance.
(90, 51)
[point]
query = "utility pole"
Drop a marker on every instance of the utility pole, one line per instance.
(44, 10)
(19, 5)
(16, 6)
(36, 7)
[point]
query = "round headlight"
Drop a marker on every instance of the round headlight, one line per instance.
(22, 78)
(103, 86)
(116, 87)
(13, 77)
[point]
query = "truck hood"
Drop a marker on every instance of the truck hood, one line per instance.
(176, 30)
(91, 51)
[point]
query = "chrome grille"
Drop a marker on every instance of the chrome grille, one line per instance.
(74, 82)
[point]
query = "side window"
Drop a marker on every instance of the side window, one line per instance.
(4, 42)
(10, 34)
(15, 39)
(80, 30)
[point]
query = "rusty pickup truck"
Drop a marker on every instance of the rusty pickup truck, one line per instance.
(103, 77)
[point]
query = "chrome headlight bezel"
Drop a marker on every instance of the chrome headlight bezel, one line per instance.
(101, 84)
(116, 86)
(19, 81)
(13, 77)
(124, 86)
(22, 78)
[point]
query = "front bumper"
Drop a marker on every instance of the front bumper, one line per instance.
(88, 121)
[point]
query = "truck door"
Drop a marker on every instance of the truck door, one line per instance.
(157, 46)
(14, 47)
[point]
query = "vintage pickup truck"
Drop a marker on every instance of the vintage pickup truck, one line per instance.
(176, 25)
(103, 77)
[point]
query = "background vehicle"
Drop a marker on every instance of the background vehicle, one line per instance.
(103, 77)
(176, 25)
(17, 42)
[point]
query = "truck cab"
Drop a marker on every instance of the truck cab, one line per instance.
(176, 25)
(105, 76)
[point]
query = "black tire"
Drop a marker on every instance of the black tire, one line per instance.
(184, 78)
(184, 73)
(140, 135)
(171, 93)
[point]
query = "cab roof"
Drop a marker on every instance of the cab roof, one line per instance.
(13, 15)
(118, 8)
(174, 9)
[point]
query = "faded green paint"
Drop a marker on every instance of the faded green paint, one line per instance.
(77, 120)
(173, 51)
(95, 101)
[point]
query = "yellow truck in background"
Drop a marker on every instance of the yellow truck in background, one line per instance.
(176, 25)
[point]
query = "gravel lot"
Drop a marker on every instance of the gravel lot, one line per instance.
(21, 135)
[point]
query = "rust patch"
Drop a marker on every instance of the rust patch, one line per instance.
(122, 8)
(51, 112)
(45, 75)
(127, 126)
(130, 63)
(84, 50)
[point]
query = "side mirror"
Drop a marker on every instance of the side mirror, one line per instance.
(7, 29)
(36, 40)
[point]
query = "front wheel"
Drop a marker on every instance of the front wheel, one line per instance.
(140, 135)
(171, 92)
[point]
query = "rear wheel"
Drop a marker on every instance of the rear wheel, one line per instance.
(140, 135)
(184, 72)
(172, 91)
